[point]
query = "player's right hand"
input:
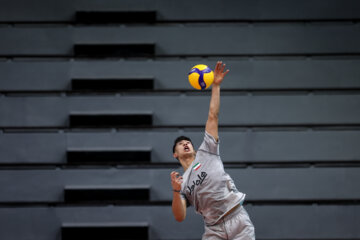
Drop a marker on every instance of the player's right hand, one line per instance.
(219, 73)
(176, 180)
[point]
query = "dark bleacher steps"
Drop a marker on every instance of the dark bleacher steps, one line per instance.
(106, 231)
(103, 194)
(320, 221)
(96, 120)
(110, 17)
(111, 85)
(109, 156)
(238, 146)
(152, 186)
(73, 71)
(102, 50)
(186, 10)
(261, 110)
(246, 75)
(239, 40)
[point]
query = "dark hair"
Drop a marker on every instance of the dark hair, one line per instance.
(179, 139)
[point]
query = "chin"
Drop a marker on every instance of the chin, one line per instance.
(189, 154)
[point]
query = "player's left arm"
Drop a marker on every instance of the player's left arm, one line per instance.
(213, 118)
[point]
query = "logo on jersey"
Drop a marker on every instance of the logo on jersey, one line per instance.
(197, 166)
(199, 181)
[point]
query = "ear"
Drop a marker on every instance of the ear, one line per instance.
(175, 155)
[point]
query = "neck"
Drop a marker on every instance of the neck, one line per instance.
(186, 161)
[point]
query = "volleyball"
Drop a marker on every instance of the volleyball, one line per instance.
(201, 77)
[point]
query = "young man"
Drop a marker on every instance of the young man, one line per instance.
(205, 185)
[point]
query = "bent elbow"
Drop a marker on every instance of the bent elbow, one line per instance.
(179, 219)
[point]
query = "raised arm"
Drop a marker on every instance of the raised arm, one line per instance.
(213, 118)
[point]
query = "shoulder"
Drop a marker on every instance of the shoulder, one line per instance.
(211, 138)
(209, 144)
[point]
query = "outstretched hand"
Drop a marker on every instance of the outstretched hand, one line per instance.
(219, 73)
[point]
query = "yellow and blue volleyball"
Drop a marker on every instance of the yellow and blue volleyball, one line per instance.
(201, 77)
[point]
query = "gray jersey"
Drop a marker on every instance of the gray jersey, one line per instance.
(207, 186)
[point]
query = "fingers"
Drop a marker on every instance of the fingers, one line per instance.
(176, 180)
(175, 176)
(179, 180)
(220, 67)
(217, 66)
(226, 72)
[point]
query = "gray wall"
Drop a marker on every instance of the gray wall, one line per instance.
(289, 119)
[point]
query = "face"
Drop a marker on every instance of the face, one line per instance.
(183, 148)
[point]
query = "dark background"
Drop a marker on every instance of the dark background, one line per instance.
(93, 93)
